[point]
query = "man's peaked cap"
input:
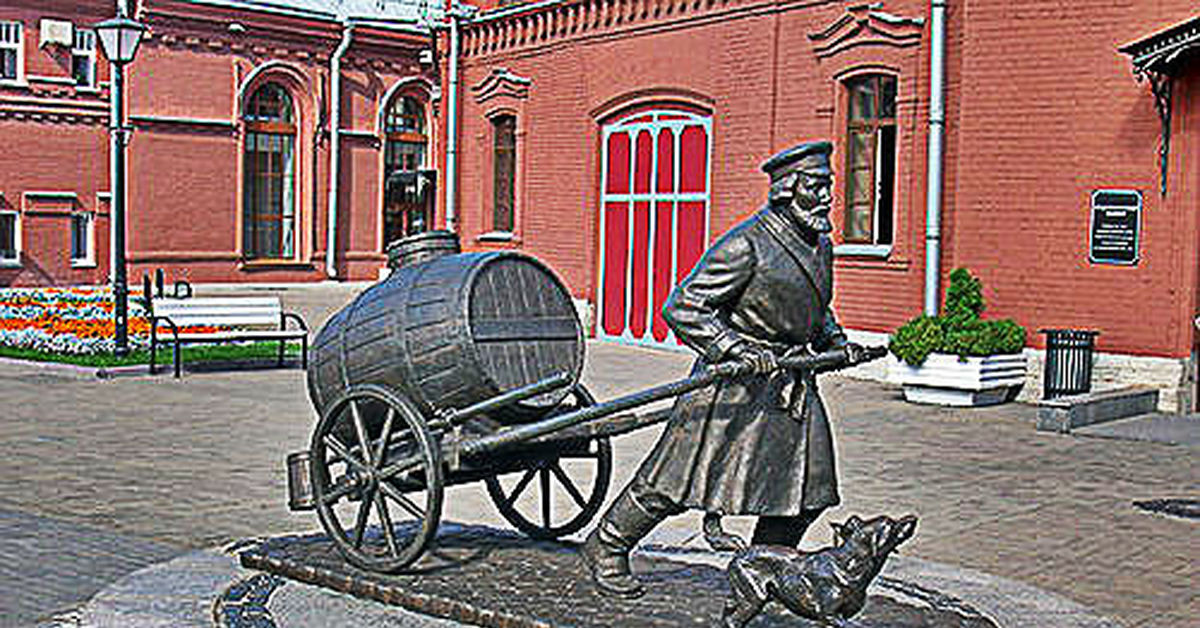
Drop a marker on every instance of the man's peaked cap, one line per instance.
(801, 156)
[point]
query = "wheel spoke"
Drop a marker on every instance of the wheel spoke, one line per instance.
(566, 482)
(405, 503)
(361, 430)
(386, 519)
(520, 487)
(579, 455)
(364, 513)
(410, 462)
(340, 450)
(337, 493)
(546, 496)
(384, 436)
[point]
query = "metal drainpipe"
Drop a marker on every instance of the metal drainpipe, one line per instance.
(937, 124)
(335, 146)
(452, 123)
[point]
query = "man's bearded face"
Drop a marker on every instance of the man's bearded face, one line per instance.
(812, 200)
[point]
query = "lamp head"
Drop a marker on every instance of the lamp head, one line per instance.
(119, 38)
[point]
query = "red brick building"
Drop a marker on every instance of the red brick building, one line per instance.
(235, 110)
(634, 130)
(615, 138)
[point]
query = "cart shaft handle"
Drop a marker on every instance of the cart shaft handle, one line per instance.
(829, 360)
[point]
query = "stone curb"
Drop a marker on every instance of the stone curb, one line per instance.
(143, 370)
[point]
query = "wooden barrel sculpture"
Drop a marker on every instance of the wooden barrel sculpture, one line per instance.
(449, 330)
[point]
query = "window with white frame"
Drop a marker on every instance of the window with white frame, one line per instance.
(83, 250)
(870, 160)
(83, 58)
(12, 53)
(10, 238)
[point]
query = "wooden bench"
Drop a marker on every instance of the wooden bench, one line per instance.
(254, 318)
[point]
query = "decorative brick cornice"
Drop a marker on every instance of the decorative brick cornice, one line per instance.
(545, 23)
(866, 24)
(501, 82)
(53, 110)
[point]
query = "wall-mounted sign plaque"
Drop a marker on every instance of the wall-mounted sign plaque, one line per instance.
(1116, 223)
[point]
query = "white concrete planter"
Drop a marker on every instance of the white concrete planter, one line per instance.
(946, 380)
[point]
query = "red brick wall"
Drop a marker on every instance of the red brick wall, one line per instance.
(1041, 111)
(753, 67)
(55, 141)
(1049, 112)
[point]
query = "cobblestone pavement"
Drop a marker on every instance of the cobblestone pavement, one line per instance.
(168, 465)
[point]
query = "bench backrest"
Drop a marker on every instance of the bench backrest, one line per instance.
(224, 311)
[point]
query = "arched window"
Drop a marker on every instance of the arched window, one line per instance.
(408, 187)
(269, 164)
(870, 159)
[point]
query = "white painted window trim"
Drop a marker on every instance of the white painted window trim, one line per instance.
(655, 125)
(13, 262)
(862, 250)
(89, 261)
(19, 46)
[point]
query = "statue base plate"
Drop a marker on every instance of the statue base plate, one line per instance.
(492, 577)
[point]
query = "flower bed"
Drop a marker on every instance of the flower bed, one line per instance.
(71, 321)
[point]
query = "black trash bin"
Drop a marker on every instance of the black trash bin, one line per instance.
(1068, 362)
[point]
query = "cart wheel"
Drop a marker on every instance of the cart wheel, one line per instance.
(535, 515)
(380, 505)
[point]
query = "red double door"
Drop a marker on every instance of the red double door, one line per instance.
(654, 218)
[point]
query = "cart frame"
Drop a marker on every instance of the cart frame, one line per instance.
(372, 447)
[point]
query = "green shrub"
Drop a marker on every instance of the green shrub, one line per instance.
(959, 329)
(917, 339)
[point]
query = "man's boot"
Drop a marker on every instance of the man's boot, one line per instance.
(606, 550)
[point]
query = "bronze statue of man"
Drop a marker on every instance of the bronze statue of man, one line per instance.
(762, 291)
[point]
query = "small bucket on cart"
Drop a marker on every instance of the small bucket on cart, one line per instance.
(300, 493)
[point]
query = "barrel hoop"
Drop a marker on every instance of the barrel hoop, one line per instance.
(494, 330)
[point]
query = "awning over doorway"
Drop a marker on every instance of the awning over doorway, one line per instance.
(1163, 51)
(1157, 58)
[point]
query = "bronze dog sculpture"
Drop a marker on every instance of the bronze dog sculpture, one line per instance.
(828, 586)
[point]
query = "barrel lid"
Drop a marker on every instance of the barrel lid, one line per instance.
(421, 247)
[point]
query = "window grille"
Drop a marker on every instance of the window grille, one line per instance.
(654, 207)
(870, 160)
(408, 203)
(83, 58)
(269, 172)
(12, 53)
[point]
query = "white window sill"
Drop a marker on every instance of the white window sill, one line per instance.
(496, 236)
(880, 251)
(14, 83)
(9, 263)
(83, 264)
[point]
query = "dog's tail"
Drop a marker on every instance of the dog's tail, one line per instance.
(718, 539)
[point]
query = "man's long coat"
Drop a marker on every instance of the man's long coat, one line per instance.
(740, 447)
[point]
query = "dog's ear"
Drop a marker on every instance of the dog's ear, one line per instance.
(839, 533)
(905, 529)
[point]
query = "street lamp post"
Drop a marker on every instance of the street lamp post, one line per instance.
(119, 39)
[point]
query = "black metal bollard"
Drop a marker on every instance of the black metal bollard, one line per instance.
(146, 295)
(1068, 369)
(159, 279)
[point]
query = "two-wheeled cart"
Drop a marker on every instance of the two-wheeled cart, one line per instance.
(487, 386)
